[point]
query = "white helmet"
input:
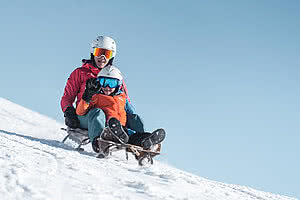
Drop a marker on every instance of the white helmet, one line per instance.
(111, 72)
(104, 42)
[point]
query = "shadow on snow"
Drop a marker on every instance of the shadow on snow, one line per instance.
(52, 143)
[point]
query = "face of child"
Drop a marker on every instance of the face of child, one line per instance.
(101, 61)
(108, 90)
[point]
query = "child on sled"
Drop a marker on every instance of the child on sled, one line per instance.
(104, 95)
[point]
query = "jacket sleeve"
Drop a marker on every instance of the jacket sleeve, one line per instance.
(125, 91)
(82, 108)
(71, 90)
(129, 108)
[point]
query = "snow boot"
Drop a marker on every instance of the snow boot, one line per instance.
(117, 130)
(103, 146)
(156, 137)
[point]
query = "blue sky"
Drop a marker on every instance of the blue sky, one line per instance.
(222, 77)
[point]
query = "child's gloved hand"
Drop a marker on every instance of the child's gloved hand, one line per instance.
(92, 86)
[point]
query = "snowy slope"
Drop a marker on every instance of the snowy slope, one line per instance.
(35, 165)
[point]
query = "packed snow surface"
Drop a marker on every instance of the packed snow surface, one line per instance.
(36, 165)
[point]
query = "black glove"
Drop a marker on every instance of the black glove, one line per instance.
(71, 119)
(92, 86)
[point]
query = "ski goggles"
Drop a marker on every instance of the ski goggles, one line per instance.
(109, 82)
(99, 52)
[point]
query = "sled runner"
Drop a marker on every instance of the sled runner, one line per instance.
(139, 153)
(80, 136)
(150, 146)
